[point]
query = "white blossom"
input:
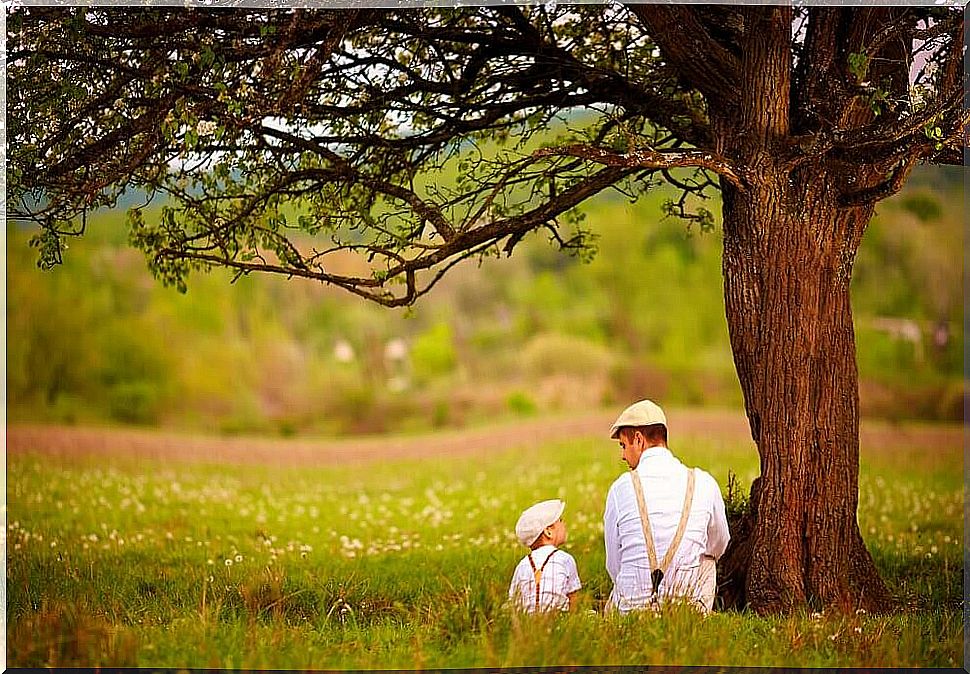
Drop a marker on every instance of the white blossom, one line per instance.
(205, 128)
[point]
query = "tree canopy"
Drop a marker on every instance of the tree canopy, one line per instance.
(284, 138)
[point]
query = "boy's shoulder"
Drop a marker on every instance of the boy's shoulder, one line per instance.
(558, 552)
(563, 555)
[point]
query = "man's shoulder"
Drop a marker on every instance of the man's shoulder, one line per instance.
(701, 475)
(707, 483)
(622, 480)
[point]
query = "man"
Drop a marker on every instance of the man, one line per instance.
(685, 549)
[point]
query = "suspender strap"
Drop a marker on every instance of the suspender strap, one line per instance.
(682, 525)
(657, 571)
(538, 572)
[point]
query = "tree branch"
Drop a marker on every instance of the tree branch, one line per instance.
(888, 187)
(640, 159)
(699, 59)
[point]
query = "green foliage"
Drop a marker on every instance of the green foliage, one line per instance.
(736, 499)
(521, 404)
(859, 66)
(554, 353)
(924, 206)
(433, 352)
(934, 132)
(134, 402)
(909, 270)
(79, 339)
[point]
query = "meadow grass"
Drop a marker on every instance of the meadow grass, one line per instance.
(406, 565)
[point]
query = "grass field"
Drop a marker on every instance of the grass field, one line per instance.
(406, 563)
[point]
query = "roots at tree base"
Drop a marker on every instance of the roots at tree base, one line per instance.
(863, 587)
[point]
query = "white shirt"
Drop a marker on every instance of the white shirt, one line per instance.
(559, 579)
(664, 480)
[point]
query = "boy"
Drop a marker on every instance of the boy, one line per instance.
(546, 579)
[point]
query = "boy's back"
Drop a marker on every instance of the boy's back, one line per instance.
(558, 579)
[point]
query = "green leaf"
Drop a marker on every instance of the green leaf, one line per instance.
(859, 66)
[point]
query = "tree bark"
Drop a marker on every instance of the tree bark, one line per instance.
(788, 255)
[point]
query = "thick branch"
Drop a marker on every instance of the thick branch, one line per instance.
(890, 186)
(685, 43)
(649, 159)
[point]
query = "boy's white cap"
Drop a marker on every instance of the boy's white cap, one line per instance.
(643, 413)
(533, 520)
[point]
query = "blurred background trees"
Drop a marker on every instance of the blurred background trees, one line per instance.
(97, 340)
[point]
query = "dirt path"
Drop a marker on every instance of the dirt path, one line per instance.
(159, 445)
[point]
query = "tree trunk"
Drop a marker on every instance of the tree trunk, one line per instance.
(788, 255)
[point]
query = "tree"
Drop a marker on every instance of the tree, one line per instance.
(286, 140)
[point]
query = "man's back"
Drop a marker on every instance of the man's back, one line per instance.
(664, 480)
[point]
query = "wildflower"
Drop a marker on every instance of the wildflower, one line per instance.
(228, 562)
(343, 352)
(239, 558)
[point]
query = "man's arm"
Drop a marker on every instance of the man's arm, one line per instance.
(611, 537)
(718, 534)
